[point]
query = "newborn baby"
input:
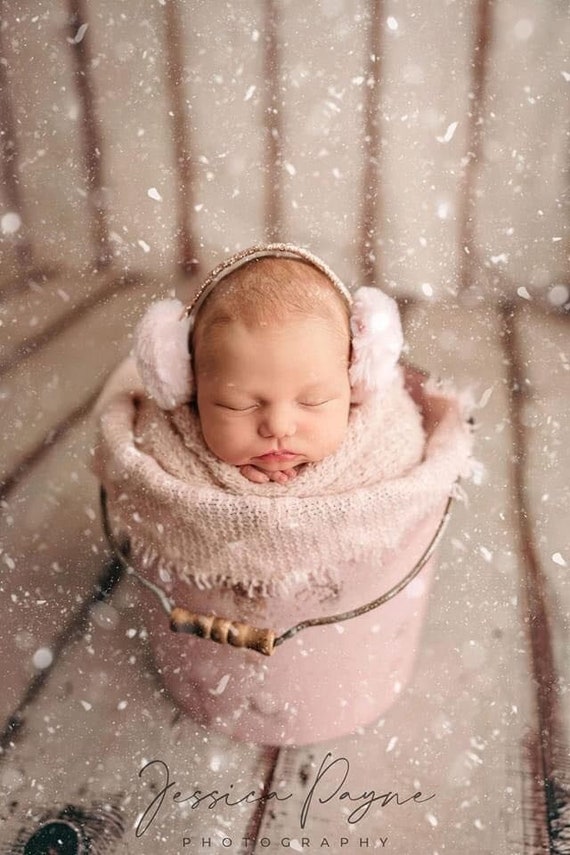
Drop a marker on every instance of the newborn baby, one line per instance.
(267, 439)
(273, 357)
(271, 350)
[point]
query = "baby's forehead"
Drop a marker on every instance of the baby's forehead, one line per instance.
(271, 290)
(306, 347)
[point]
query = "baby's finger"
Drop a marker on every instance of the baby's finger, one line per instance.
(253, 474)
(279, 477)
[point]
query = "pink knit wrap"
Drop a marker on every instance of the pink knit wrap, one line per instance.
(190, 516)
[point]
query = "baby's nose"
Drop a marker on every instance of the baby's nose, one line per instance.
(277, 422)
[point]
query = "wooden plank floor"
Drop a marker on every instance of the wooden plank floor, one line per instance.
(52, 549)
(483, 726)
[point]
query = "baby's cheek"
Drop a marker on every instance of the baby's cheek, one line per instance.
(217, 437)
(235, 442)
(335, 434)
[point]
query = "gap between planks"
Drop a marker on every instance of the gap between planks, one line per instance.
(548, 750)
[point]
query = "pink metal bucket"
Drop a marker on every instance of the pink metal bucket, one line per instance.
(318, 682)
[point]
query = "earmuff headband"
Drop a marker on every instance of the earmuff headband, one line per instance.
(161, 340)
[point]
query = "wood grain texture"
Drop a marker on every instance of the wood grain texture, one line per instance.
(40, 392)
(225, 148)
(52, 556)
(10, 264)
(483, 41)
(16, 253)
(371, 207)
(79, 40)
(47, 113)
(323, 123)
(39, 308)
(141, 179)
(273, 123)
(174, 45)
(224, 94)
(541, 387)
(425, 102)
(520, 221)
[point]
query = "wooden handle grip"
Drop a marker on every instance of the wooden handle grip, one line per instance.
(223, 631)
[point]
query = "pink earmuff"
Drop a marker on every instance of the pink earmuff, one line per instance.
(377, 342)
(162, 355)
(161, 339)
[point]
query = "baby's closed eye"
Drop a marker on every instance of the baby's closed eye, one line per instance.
(244, 408)
(315, 403)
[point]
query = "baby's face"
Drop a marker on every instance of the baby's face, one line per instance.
(274, 396)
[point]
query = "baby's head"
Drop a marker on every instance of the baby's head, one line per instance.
(271, 351)
(280, 349)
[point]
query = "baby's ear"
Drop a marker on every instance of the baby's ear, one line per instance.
(377, 342)
(161, 353)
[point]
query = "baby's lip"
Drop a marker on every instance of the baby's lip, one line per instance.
(278, 454)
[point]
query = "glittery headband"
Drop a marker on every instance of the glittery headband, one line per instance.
(270, 250)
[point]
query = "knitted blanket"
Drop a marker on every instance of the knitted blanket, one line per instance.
(187, 515)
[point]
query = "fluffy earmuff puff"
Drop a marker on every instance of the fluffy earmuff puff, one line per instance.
(377, 342)
(162, 356)
(165, 368)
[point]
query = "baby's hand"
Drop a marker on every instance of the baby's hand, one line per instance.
(284, 476)
(253, 474)
(257, 476)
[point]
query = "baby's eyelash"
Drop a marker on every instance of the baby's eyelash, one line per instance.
(238, 409)
(255, 406)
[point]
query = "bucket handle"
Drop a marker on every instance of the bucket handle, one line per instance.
(239, 634)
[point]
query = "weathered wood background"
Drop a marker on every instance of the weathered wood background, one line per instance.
(418, 146)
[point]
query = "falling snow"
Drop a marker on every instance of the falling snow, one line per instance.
(42, 658)
(80, 34)
(501, 258)
(522, 292)
(485, 398)
(524, 29)
(10, 223)
(222, 685)
(558, 295)
(449, 134)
